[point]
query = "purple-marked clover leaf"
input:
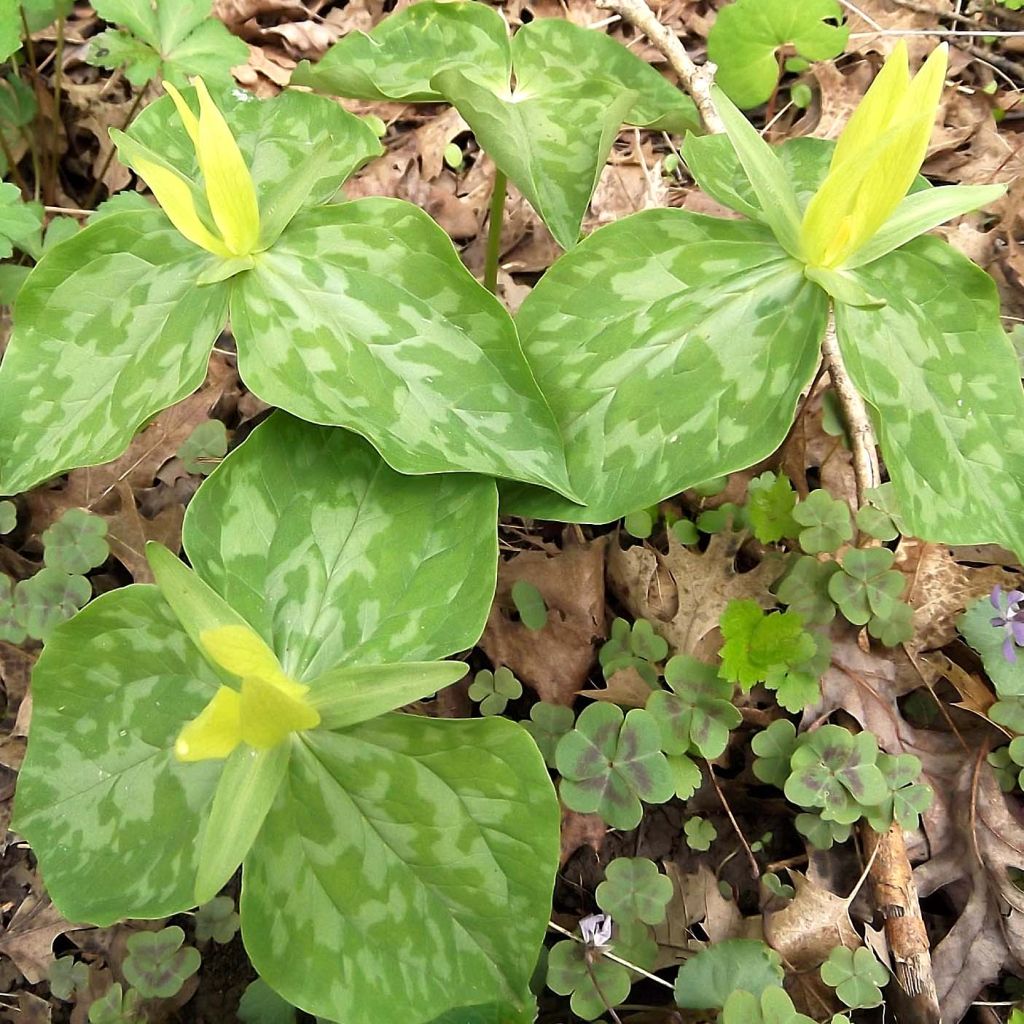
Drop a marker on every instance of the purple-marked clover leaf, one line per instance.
(68, 975)
(610, 762)
(707, 980)
(837, 771)
(868, 585)
(856, 975)
(204, 447)
(821, 834)
(576, 970)
(547, 725)
(774, 747)
(907, 798)
(700, 833)
(217, 920)
(116, 1006)
(157, 964)
(76, 543)
(634, 890)
(493, 690)
(825, 521)
(11, 628)
(758, 643)
(529, 602)
(45, 600)
(637, 647)
(773, 1006)
(770, 503)
(698, 713)
(804, 589)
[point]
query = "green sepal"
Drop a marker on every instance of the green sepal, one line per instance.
(843, 287)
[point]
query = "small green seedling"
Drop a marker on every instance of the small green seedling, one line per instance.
(634, 890)
(157, 964)
(68, 976)
(454, 157)
(856, 975)
(116, 1006)
(774, 748)
(637, 647)
(907, 798)
(770, 504)
(759, 644)
(217, 920)
(529, 603)
(700, 833)
(776, 886)
(825, 522)
(493, 690)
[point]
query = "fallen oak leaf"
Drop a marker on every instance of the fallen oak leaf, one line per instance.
(29, 936)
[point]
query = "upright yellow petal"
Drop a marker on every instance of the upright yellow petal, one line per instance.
(875, 111)
(188, 119)
(215, 731)
(173, 193)
(269, 713)
(229, 185)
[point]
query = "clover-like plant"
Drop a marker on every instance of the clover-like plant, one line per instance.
(907, 798)
(530, 604)
(774, 748)
(610, 762)
(76, 542)
(825, 521)
(868, 590)
(67, 976)
(217, 920)
(700, 833)
(856, 975)
(821, 833)
(493, 690)
(706, 981)
(594, 983)
(546, 104)
(157, 964)
(357, 314)
(547, 725)
(204, 447)
(697, 713)
(239, 713)
(634, 890)
(804, 589)
(772, 1006)
(117, 1006)
(836, 771)
(637, 647)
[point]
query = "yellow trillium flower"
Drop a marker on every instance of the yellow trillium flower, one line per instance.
(228, 185)
(268, 708)
(876, 159)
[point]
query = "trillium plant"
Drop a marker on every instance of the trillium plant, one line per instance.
(245, 711)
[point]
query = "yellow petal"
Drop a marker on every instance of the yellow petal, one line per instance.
(269, 713)
(215, 731)
(188, 119)
(243, 652)
(174, 195)
(229, 185)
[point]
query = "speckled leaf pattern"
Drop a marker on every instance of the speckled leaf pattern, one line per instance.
(406, 855)
(299, 148)
(110, 328)
(335, 559)
(672, 348)
(942, 380)
(111, 690)
(362, 316)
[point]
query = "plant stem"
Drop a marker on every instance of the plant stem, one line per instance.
(858, 424)
(755, 869)
(55, 141)
(495, 222)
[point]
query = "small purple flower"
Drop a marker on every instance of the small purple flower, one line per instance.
(1010, 620)
(596, 929)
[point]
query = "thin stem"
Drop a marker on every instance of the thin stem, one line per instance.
(55, 140)
(755, 868)
(597, 988)
(858, 424)
(611, 956)
(94, 191)
(11, 165)
(495, 222)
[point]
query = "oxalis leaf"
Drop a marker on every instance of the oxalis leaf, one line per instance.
(386, 841)
(689, 341)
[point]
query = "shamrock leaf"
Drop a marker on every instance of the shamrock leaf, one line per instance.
(758, 643)
(204, 447)
(770, 503)
(876, 523)
(772, 1007)
(11, 628)
(574, 970)
(547, 725)
(805, 590)
(47, 599)
(610, 762)
(700, 833)
(174, 41)
(1007, 771)
(895, 628)
(493, 690)
(856, 975)
(698, 714)
(746, 35)
(116, 1006)
(774, 747)
(836, 770)
(821, 833)
(76, 543)
(867, 586)
(706, 981)
(68, 975)
(634, 890)
(217, 920)
(637, 647)
(907, 798)
(826, 522)
(157, 964)
(777, 887)
(20, 222)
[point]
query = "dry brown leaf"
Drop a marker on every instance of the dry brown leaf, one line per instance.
(29, 936)
(808, 446)
(683, 593)
(625, 688)
(556, 660)
(128, 532)
(580, 830)
(810, 926)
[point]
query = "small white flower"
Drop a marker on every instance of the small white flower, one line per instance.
(596, 929)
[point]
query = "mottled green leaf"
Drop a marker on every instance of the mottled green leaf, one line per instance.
(99, 761)
(698, 714)
(405, 856)
(706, 980)
(942, 382)
(19, 221)
(746, 36)
(363, 316)
(337, 560)
(174, 40)
(110, 328)
(594, 982)
(672, 348)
